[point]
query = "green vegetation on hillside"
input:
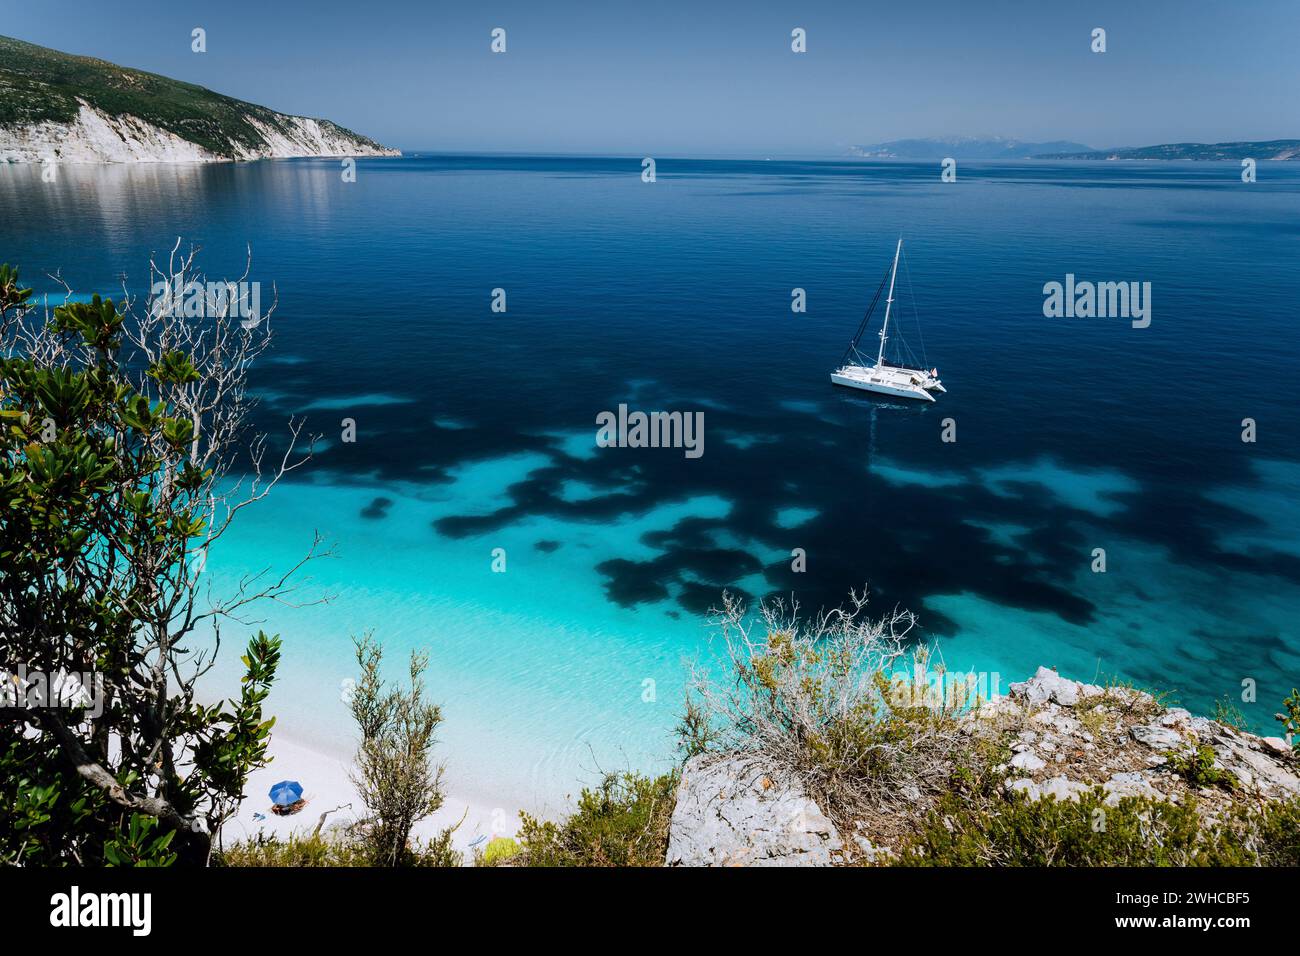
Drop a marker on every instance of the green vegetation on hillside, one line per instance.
(1090, 832)
(622, 822)
(37, 83)
(1274, 149)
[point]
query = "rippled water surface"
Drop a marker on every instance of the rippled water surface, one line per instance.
(475, 430)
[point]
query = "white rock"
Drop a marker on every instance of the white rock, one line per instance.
(736, 811)
(870, 852)
(1062, 788)
(1028, 761)
(1047, 685)
(1256, 769)
(996, 707)
(1278, 746)
(1157, 738)
(1066, 725)
(1130, 784)
(1027, 787)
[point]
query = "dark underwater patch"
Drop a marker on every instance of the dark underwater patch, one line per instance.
(378, 508)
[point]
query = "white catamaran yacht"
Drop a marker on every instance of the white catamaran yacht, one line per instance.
(885, 378)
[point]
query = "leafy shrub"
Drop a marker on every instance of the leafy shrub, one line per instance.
(1085, 832)
(1270, 835)
(695, 732)
(140, 845)
(1047, 832)
(298, 850)
(622, 822)
(1290, 719)
(499, 851)
(331, 849)
(1197, 768)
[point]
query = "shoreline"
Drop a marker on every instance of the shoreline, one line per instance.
(326, 786)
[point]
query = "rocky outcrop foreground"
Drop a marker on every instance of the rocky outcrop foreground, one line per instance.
(1063, 738)
(1071, 736)
(733, 810)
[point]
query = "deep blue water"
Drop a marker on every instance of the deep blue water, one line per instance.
(476, 430)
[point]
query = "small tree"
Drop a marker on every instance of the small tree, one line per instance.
(814, 697)
(395, 776)
(120, 427)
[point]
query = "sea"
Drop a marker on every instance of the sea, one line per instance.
(1119, 501)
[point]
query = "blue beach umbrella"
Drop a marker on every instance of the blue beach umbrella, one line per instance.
(286, 792)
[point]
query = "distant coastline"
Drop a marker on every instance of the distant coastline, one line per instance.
(61, 108)
(1274, 150)
(1000, 148)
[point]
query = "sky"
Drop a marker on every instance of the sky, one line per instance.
(702, 78)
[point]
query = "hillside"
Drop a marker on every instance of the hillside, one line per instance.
(961, 147)
(79, 109)
(1274, 149)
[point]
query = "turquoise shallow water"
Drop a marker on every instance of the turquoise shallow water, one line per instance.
(475, 430)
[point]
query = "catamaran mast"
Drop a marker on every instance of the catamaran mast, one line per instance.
(880, 356)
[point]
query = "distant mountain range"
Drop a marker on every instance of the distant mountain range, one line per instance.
(998, 147)
(76, 109)
(964, 147)
(1273, 149)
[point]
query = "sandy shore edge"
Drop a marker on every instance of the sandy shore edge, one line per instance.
(325, 783)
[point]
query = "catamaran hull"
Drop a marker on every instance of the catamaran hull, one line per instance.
(882, 388)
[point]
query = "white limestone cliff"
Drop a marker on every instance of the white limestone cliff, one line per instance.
(96, 137)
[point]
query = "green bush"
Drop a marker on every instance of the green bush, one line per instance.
(1198, 769)
(1047, 832)
(332, 850)
(1290, 718)
(309, 850)
(499, 851)
(623, 822)
(1271, 834)
(140, 844)
(1086, 832)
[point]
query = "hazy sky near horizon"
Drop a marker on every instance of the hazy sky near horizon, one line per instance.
(700, 78)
